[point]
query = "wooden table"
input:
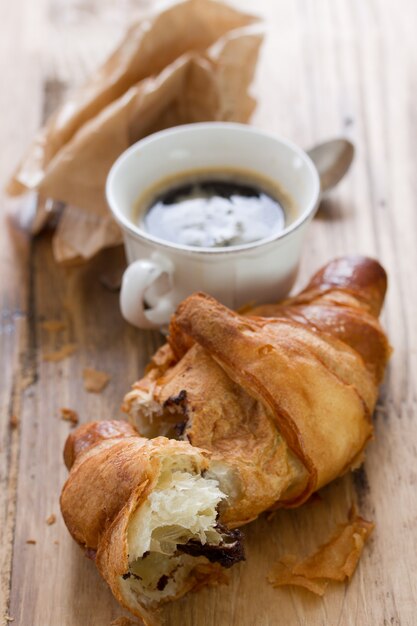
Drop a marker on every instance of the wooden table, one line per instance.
(329, 67)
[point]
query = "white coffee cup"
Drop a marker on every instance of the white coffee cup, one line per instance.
(160, 273)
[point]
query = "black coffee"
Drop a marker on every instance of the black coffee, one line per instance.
(214, 209)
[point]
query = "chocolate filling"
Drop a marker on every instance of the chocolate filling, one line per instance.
(174, 407)
(227, 553)
(179, 400)
(131, 574)
(162, 582)
(180, 428)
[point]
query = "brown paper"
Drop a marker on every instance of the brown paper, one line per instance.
(192, 62)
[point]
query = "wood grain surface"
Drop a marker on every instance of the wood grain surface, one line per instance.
(328, 67)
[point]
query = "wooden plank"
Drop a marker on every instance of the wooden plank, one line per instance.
(328, 68)
(92, 321)
(18, 120)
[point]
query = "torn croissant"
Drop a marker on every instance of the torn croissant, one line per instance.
(149, 512)
(285, 393)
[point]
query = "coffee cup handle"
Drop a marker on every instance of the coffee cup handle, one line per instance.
(140, 280)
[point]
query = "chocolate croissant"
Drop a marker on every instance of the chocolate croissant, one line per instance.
(283, 393)
(148, 512)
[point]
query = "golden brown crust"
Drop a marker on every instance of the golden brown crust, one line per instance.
(300, 376)
(92, 433)
(100, 483)
(356, 328)
(112, 472)
(112, 557)
(342, 299)
(360, 276)
(308, 382)
(356, 283)
(178, 341)
(224, 418)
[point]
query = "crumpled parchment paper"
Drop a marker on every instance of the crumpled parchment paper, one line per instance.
(191, 62)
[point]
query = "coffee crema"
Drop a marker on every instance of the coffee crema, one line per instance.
(214, 208)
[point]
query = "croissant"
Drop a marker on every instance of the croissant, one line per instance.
(284, 393)
(148, 512)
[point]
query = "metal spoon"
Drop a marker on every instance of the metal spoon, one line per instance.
(332, 160)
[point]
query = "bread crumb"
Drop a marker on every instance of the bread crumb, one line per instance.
(56, 542)
(14, 422)
(51, 519)
(53, 326)
(58, 355)
(31, 541)
(68, 415)
(8, 618)
(94, 380)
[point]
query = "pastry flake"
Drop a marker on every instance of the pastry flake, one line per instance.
(335, 560)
